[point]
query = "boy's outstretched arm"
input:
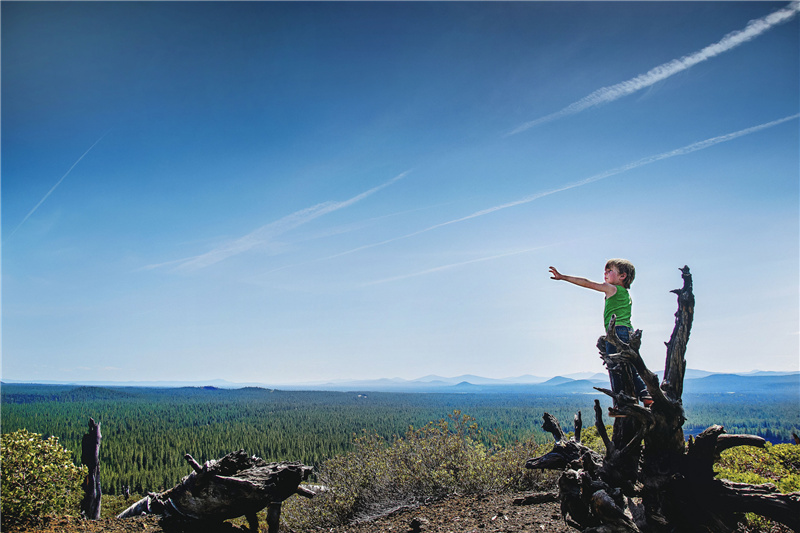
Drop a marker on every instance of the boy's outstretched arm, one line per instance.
(606, 288)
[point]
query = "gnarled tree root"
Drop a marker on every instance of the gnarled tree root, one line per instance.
(647, 460)
(236, 485)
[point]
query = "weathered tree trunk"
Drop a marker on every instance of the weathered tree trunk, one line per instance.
(90, 456)
(236, 485)
(648, 459)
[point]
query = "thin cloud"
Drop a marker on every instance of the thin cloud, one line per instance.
(54, 187)
(265, 235)
(694, 147)
(448, 267)
(753, 29)
(357, 226)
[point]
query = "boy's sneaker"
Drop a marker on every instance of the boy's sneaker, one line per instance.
(647, 400)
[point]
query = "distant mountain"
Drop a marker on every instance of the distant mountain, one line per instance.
(765, 373)
(428, 379)
(696, 382)
(788, 383)
(558, 380)
(689, 374)
(479, 380)
(585, 375)
(580, 386)
(695, 374)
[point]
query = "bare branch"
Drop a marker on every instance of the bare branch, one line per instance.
(194, 464)
(764, 500)
(600, 426)
(552, 426)
(675, 365)
(725, 442)
(578, 423)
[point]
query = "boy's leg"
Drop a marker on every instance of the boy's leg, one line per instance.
(616, 381)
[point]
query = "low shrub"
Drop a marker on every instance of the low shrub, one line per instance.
(778, 464)
(441, 459)
(38, 478)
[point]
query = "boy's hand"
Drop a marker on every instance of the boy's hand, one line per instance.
(555, 274)
(606, 288)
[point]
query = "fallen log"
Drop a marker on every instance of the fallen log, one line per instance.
(235, 485)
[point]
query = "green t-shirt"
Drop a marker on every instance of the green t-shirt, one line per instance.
(620, 304)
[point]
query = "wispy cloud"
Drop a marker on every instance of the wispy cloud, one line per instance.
(452, 265)
(54, 187)
(266, 234)
(597, 177)
(753, 29)
(361, 224)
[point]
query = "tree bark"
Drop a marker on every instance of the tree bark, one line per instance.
(90, 456)
(647, 459)
(235, 485)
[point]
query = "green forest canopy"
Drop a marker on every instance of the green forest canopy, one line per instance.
(146, 431)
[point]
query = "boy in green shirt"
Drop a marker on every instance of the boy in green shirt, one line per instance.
(619, 274)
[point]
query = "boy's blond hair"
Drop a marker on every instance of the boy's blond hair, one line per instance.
(623, 266)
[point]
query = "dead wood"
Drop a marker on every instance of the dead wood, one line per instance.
(90, 457)
(235, 485)
(650, 479)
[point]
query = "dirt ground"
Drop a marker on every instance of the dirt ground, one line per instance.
(468, 514)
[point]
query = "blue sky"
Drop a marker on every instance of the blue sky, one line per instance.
(287, 192)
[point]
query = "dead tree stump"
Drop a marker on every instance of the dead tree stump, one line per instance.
(90, 456)
(650, 479)
(236, 485)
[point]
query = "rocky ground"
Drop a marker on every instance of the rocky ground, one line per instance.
(468, 514)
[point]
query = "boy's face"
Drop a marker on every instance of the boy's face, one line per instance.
(613, 276)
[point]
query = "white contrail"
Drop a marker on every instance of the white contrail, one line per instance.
(54, 187)
(266, 233)
(608, 173)
(452, 265)
(753, 29)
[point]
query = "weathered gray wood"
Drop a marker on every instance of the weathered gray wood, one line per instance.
(565, 451)
(578, 423)
(235, 485)
(90, 457)
(675, 365)
(552, 426)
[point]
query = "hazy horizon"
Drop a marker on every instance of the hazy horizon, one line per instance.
(594, 376)
(285, 192)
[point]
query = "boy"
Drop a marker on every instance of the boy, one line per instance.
(619, 274)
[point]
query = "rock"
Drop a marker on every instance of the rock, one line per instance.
(417, 523)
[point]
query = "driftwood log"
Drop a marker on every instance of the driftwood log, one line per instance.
(236, 485)
(651, 479)
(90, 457)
